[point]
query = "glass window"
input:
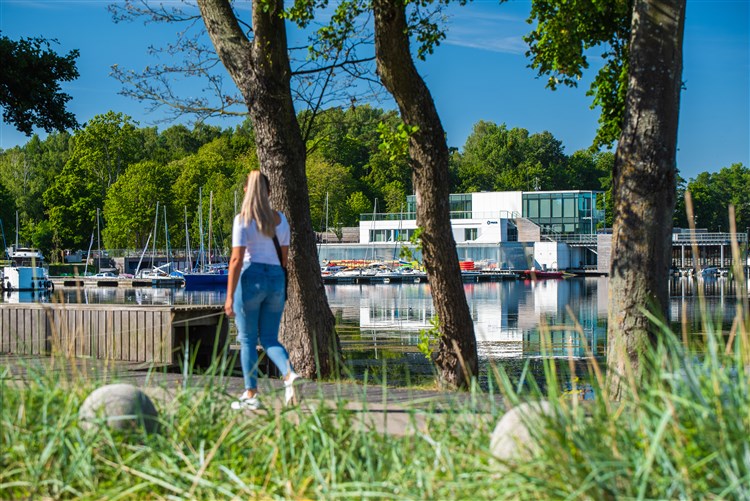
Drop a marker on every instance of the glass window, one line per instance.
(470, 234)
(544, 208)
(533, 209)
(569, 207)
(557, 207)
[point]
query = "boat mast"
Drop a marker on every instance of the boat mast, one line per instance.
(16, 229)
(210, 223)
(326, 233)
(88, 254)
(166, 236)
(372, 237)
(201, 253)
(187, 243)
(98, 243)
(145, 248)
(156, 226)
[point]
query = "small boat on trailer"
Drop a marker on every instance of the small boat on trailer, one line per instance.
(24, 271)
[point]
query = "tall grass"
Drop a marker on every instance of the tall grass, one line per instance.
(205, 450)
(683, 432)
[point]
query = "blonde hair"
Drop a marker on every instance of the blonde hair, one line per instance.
(256, 205)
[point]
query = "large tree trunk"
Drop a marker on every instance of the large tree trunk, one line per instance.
(644, 185)
(262, 73)
(457, 351)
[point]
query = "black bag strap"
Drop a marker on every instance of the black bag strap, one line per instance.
(278, 250)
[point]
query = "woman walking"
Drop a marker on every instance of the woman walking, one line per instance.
(263, 234)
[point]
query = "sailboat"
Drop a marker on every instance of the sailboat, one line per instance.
(24, 269)
(159, 276)
(205, 275)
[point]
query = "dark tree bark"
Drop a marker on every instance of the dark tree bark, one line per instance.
(644, 185)
(457, 351)
(260, 68)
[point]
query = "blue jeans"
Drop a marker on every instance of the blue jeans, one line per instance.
(259, 317)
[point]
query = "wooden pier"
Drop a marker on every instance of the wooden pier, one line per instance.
(136, 333)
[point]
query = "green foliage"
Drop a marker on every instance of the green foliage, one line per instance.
(329, 184)
(356, 154)
(30, 84)
(207, 451)
(131, 204)
(678, 434)
(565, 36)
(713, 192)
(357, 203)
(495, 158)
(395, 142)
(415, 239)
(428, 338)
(100, 153)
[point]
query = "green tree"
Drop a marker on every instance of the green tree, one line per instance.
(330, 184)
(100, 153)
(30, 84)
(495, 158)
(71, 203)
(713, 193)
(261, 70)
(638, 90)
(567, 33)
(642, 229)
(357, 203)
(106, 145)
(131, 204)
(457, 352)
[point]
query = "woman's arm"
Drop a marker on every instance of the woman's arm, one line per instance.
(235, 267)
(284, 255)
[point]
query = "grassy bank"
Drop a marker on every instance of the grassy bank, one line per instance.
(205, 450)
(682, 433)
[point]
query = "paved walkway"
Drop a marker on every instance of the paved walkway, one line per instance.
(396, 411)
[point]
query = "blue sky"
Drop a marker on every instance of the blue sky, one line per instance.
(478, 73)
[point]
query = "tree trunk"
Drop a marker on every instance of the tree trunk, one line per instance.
(457, 351)
(262, 73)
(644, 185)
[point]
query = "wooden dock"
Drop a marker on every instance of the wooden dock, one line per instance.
(136, 333)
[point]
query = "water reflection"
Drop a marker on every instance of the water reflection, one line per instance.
(514, 321)
(508, 316)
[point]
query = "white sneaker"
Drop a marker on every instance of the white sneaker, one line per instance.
(290, 395)
(246, 403)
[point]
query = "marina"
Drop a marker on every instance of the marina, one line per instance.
(515, 321)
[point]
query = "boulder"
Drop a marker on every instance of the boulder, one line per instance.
(121, 407)
(512, 437)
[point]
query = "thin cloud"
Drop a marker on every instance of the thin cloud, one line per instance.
(490, 31)
(505, 45)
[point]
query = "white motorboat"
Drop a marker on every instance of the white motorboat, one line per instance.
(25, 271)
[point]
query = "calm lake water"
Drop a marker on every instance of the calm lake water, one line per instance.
(379, 325)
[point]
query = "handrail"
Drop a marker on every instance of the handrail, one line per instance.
(704, 237)
(412, 216)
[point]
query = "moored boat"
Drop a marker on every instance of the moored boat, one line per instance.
(540, 274)
(25, 271)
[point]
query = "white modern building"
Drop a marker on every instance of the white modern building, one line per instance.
(494, 217)
(558, 226)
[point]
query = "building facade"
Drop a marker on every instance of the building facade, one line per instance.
(495, 217)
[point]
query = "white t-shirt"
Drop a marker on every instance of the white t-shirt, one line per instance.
(258, 247)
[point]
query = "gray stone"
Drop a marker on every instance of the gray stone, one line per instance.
(120, 406)
(512, 437)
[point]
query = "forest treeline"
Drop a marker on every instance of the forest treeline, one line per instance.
(57, 184)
